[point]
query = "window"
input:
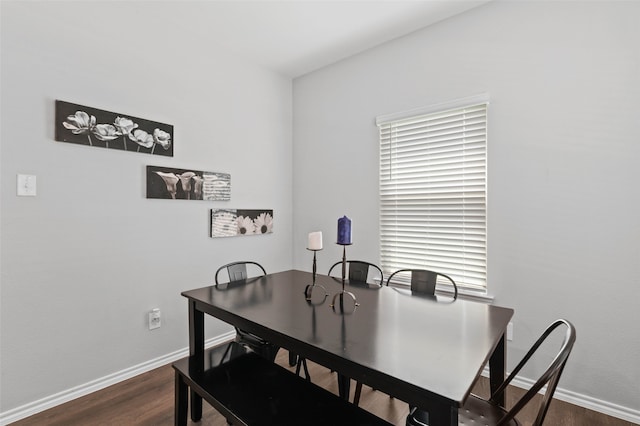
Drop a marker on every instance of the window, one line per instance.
(433, 191)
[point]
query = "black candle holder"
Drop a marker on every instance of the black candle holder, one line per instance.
(314, 263)
(313, 287)
(340, 296)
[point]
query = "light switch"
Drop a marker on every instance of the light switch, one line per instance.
(27, 185)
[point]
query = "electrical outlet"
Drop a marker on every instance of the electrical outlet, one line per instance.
(154, 319)
(510, 331)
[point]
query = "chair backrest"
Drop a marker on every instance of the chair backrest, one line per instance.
(550, 377)
(358, 271)
(424, 281)
(237, 271)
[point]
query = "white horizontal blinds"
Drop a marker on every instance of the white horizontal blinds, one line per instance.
(433, 194)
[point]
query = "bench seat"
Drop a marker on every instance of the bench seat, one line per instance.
(250, 390)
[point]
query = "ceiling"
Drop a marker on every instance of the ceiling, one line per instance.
(296, 37)
(292, 37)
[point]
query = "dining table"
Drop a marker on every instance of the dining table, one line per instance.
(427, 351)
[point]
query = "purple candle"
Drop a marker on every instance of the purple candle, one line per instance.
(344, 230)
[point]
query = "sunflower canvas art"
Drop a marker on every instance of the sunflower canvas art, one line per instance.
(236, 222)
(89, 126)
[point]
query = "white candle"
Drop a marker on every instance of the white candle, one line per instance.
(315, 240)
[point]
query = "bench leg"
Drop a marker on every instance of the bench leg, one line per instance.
(182, 400)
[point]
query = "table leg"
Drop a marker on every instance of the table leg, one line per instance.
(196, 352)
(497, 368)
(196, 331)
(344, 385)
(181, 403)
(196, 407)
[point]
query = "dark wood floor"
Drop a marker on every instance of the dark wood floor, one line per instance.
(148, 400)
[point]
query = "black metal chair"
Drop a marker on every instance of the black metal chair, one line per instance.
(424, 281)
(358, 271)
(236, 272)
(477, 410)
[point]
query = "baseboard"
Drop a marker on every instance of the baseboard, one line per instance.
(598, 405)
(584, 401)
(40, 405)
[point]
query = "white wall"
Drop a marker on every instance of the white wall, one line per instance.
(564, 147)
(85, 260)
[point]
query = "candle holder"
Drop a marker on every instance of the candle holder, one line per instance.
(314, 268)
(340, 297)
(344, 305)
(313, 288)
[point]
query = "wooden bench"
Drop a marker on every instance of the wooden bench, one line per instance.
(250, 390)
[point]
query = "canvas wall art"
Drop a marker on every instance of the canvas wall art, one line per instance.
(85, 125)
(233, 222)
(187, 184)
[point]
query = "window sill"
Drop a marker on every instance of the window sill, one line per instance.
(476, 296)
(466, 294)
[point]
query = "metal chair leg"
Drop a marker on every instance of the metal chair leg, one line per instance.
(303, 363)
(356, 396)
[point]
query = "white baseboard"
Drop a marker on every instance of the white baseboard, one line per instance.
(584, 401)
(51, 401)
(604, 407)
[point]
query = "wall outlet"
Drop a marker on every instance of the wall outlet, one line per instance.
(154, 319)
(510, 331)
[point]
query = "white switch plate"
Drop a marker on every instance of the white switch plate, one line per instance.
(510, 331)
(26, 186)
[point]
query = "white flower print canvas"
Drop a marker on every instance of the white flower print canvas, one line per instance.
(89, 126)
(187, 184)
(236, 222)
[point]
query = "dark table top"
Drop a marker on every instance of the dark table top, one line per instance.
(400, 344)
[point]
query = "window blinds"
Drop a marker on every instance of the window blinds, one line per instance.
(433, 193)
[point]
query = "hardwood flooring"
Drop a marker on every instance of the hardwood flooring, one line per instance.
(148, 400)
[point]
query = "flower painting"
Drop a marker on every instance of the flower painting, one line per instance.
(94, 127)
(232, 222)
(187, 184)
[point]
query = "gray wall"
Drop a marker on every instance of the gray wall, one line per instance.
(85, 260)
(564, 146)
